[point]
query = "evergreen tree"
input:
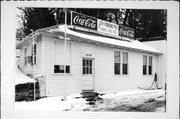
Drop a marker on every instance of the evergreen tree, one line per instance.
(36, 18)
(146, 23)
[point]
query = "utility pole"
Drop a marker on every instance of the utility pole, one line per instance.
(65, 22)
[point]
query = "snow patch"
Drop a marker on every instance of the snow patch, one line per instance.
(53, 103)
(109, 102)
(132, 92)
(133, 44)
(21, 78)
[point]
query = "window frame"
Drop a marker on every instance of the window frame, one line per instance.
(33, 52)
(63, 69)
(25, 56)
(67, 64)
(121, 62)
(116, 63)
(150, 73)
(147, 65)
(88, 66)
(125, 63)
(144, 66)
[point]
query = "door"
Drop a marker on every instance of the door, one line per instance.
(87, 74)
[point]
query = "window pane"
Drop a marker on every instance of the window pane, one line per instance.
(125, 57)
(90, 63)
(61, 68)
(86, 62)
(87, 66)
(144, 69)
(150, 70)
(90, 70)
(35, 48)
(25, 54)
(117, 57)
(34, 59)
(83, 62)
(67, 69)
(56, 68)
(117, 68)
(125, 69)
(87, 70)
(84, 70)
(144, 60)
(150, 60)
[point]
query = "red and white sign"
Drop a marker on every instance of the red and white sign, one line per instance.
(100, 26)
(83, 21)
(126, 32)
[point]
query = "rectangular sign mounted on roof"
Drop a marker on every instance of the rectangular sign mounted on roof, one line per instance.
(100, 26)
(83, 21)
(107, 27)
(126, 31)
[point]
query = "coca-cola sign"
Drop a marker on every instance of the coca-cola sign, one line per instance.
(126, 32)
(83, 21)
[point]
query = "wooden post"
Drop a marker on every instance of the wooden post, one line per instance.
(33, 65)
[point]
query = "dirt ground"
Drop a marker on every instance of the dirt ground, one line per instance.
(140, 103)
(149, 106)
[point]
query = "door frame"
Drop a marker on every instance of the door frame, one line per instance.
(93, 72)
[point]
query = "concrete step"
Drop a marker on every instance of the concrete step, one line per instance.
(91, 97)
(90, 94)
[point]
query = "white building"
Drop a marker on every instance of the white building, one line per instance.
(92, 62)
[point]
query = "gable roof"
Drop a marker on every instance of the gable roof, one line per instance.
(74, 35)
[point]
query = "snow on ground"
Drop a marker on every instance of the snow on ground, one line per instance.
(21, 78)
(53, 103)
(138, 100)
(132, 93)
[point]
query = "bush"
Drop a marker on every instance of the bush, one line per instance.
(25, 92)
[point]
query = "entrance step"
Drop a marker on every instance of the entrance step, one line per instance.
(91, 97)
(87, 91)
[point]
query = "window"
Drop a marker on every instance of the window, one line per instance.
(144, 65)
(87, 66)
(62, 65)
(125, 63)
(147, 65)
(34, 52)
(117, 62)
(118, 68)
(60, 69)
(29, 51)
(25, 57)
(150, 65)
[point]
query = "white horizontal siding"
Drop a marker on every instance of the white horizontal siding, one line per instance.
(105, 80)
(161, 45)
(60, 85)
(57, 84)
(48, 55)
